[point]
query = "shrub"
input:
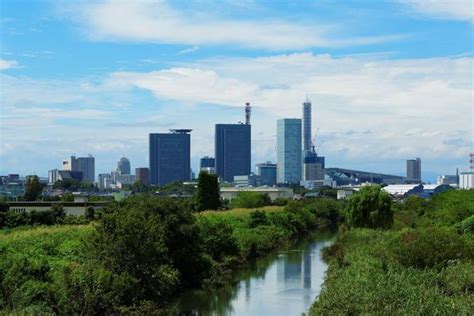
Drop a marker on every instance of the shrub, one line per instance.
(467, 225)
(218, 238)
(258, 218)
(280, 202)
(430, 247)
(246, 199)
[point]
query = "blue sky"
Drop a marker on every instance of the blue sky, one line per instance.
(389, 80)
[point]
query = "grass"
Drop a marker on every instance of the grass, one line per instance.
(241, 212)
(424, 265)
(46, 269)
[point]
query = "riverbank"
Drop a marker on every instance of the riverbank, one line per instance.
(422, 266)
(140, 255)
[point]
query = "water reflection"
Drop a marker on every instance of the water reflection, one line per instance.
(284, 283)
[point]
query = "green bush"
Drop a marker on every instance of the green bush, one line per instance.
(258, 218)
(247, 199)
(467, 225)
(218, 238)
(369, 274)
(429, 247)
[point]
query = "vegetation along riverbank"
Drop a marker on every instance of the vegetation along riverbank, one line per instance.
(422, 265)
(137, 255)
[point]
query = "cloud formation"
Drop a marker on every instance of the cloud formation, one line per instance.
(368, 112)
(462, 10)
(158, 22)
(7, 64)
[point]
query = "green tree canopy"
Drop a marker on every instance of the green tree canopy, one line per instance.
(33, 189)
(370, 207)
(207, 196)
(152, 241)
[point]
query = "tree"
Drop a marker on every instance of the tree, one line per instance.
(90, 213)
(370, 207)
(139, 186)
(153, 241)
(207, 196)
(3, 205)
(33, 189)
(67, 197)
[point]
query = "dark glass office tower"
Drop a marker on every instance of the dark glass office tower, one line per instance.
(414, 170)
(170, 156)
(232, 150)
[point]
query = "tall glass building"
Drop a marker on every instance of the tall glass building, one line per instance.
(307, 126)
(414, 170)
(123, 166)
(232, 150)
(289, 151)
(170, 156)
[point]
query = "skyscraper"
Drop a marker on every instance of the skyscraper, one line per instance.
(307, 125)
(123, 166)
(414, 169)
(289, 151)
(232, 150)
(86, 165)
(170, 156)
(142, 175)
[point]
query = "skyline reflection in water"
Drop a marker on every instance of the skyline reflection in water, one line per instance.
(285, 283)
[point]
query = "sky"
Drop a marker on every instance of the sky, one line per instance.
(388, 80)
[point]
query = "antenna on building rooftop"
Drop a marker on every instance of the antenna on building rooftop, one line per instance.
(248, 111)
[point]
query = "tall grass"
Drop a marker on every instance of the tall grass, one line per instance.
(423, 266)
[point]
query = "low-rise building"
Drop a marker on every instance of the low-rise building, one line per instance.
(400, 190)
(448, 179)
(230, 193)
(343, 194)
(71, 208)
(251, 180)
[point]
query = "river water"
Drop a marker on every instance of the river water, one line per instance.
(283, 283)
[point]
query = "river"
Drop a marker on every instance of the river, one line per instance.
(283, 283)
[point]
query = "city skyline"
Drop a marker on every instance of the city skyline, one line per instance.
(73, 84)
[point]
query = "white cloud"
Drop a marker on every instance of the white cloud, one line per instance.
(158, 22)
(444, 9)
(187, 84)
(370, 114)
(389, 97)
(189, 50)
(7, 64)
